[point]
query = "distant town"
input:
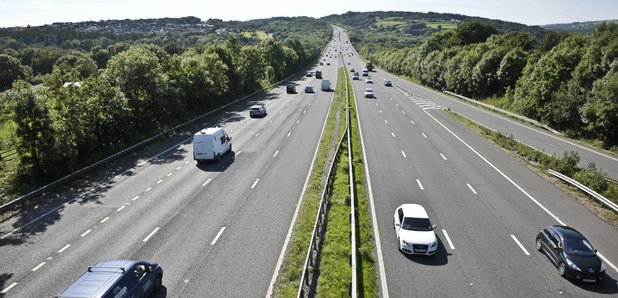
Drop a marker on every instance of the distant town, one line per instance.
(163, 25)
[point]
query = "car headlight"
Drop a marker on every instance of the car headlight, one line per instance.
(572, 265)
(434, 244)
(602, 267)
(406, 243)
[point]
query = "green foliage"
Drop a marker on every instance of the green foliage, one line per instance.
(592, 177)
(473, 32)
(11, 70)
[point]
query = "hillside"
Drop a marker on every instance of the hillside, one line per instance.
(577, 27)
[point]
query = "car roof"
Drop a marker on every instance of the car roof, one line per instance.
(256, 106)
(414, 210)
(567, 232)
(99, 278)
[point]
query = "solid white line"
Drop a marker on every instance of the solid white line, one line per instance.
(64, 248)
(520, 246)
(135, 198)
(607, 262)
(207, 181)
(404, 154)
(255, 183)
(443, 157)
(289, 133)
(38, 266)
(448, 239)
(85, 233)
(419, 184)
(217, 237)
(161, 180)
(288, 236)
(150, 235)
(120, 209)
(104, 220)
(170, 174)
(8, 288)
(275, 155)
(392, 133)
(472, 189)
(500, 172)
(147, 189)
(424, 135)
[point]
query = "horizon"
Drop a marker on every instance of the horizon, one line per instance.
(529, 12)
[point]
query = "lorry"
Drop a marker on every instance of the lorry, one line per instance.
(318, 74)
(369, 66)
(210, 144)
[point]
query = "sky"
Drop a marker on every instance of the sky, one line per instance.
(530, 12)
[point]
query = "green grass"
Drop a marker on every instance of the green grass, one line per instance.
(442, 25)
(392, 21)
(261, 35)
(291, 271)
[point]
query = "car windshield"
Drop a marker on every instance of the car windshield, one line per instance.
(578, 246)
(416, 224)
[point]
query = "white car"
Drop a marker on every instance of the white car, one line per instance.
(368, 93)
(257, 111)
(369, 81)
(415, 234)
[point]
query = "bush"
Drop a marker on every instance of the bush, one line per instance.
(567, 164)
(592, 177)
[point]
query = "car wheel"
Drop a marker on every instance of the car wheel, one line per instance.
(158, 284)
(562, 269)
(539, 245)
(218, 157)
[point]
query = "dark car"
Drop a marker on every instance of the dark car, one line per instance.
(114, 278)
(290, 89)
(571, 252)
(309, 74)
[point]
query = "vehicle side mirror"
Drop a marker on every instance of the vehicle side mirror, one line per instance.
(229, 138)
(396, 224)
(149, 269)
(434, 227)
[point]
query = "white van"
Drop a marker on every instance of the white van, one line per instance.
(210, 144)
(325, 85)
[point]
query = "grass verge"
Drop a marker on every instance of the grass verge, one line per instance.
(291, 270)
(566, 164)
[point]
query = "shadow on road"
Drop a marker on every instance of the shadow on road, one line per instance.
(607, 286)
(4, 278)
(440, 258)
(218, 166)
(162, 293)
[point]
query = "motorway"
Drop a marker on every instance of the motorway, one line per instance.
(216, 229)
(487, 205)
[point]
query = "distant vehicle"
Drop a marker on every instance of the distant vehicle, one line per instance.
(318, 74)
(308, 89)
(321, 63)
(355, 77)
(415, 234)
(369, 66)
(290, 89)
(117, 278)
(352, 70)
(571, 252)
(327, 63)
(388, 83)
(210, 144)
(369, 93)
(356, 73)
(257, 111)
(309, 74)
(369, 81)
(365, 72)
(325, 85)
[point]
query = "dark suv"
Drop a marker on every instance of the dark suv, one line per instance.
(291, 89)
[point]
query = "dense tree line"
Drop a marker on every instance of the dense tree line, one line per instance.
(569, 82)
(86, 105)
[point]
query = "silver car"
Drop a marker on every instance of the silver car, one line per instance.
(257, 111)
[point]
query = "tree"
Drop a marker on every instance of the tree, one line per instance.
(600, 112)
(511, 68)
(473, 32)
(12, 70)
(485, 73)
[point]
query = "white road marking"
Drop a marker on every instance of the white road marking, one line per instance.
(397, 104)
(472, 189)
(255, 183)
(392, 133)
(217, 237)
(443, 157)
(150, 235)
(8, 288)
(186, 161)
(275, 155)
(289, 133)
(147, 189)
(607, 262)
(238, 153)
(64, 248)
(424, 135)
(305, 111)
(412, 122)
(520, 246)
(404, 154)
(381, 112)
(280, 112)
(207, 181)
(257, 134)
(38, 266)
(404, 112)
(160, 180)
(120, 209)
(298, 121)
(419, 184)
(178, 168)
(85, 233)
(448, 239)
(385, 121)
(135, 198)
(104, 220)
(170, 174)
